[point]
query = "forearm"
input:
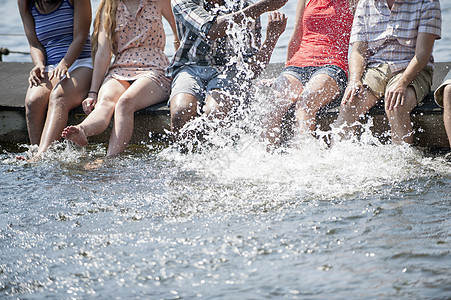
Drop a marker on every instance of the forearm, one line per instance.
(357, 62)
(38, 56)
(75, 49)
(264, 55)
(101, 64)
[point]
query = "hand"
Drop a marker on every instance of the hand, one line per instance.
(353, 91)
(88, 104)
(395, 95)
(60, 71)
(270, 5)
(277, 23)
(35, 75)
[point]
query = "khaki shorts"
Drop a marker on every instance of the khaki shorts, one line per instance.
(379, 78)
(438, 94)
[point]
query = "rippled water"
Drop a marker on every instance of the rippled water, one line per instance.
(229, 221)
(354, 221)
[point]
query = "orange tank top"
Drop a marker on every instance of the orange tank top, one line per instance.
(326, 27)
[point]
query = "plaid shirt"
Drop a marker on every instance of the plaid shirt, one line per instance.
(194, 19)
(392, 35)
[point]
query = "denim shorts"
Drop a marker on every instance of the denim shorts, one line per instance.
(304, 74)
(201, 80)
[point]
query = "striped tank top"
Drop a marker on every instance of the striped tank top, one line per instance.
(55, 32)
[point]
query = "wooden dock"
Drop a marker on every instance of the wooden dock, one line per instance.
(427, 118)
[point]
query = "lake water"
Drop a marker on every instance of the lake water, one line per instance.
(360, 220)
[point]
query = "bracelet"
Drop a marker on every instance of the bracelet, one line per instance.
(94, 92)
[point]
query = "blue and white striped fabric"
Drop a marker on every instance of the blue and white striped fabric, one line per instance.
(55, 32)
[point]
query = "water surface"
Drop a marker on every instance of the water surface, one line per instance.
(228, 221)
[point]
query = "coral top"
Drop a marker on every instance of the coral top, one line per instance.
(139, 44)
(326, 28)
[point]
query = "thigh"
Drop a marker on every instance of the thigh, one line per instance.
(337, 74)
(75, 88)
(288, 87)
(375, 79)
(319, 91)
(143, 93)
(111, 90)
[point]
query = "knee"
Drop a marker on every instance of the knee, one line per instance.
(211, 107)
(35, 102)
(182, 107)
(57, 99)
(397, 113)
(106, 102)
(124, 106)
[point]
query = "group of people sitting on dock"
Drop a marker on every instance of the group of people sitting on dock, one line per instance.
(391, 59)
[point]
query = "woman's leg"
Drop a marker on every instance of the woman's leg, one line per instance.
(66, 95)
(142, 93)
(36, 102)
(287, 89)
(319, 91)
(97, 121)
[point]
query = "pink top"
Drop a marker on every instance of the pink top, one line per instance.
(326, 27)
(139, 43)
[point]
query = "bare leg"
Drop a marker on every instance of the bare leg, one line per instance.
(183, 110)
(447, 111)
(36, 102)
(399, 119)
(288, 89)
(66, 95)
(319, 91)
(350, 113)
(142, 93)
(218, 104)
(99, 119)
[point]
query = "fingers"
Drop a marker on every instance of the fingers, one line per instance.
(347, 97)
(394, 100)
(277, 22)
(88, 105)
(35, 76)
(59, 73)
(352, 92)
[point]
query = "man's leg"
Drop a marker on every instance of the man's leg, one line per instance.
(350, 113)
(399, 119)
(183, 109)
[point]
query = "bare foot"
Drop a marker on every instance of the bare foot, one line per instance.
(76, 135)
